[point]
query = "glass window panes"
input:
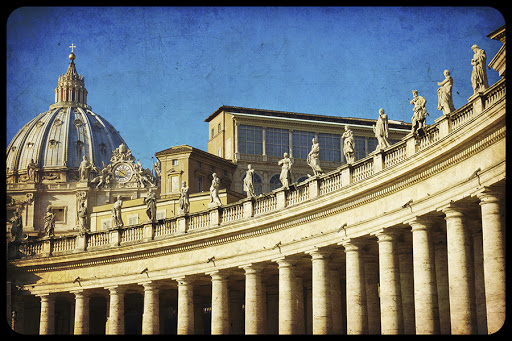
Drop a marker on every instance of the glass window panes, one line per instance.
(372, 144)
(360, 144)
(250, 140)
(330, 148)
(275, 182)
(258, 189)
(277, 141)
(301, 141)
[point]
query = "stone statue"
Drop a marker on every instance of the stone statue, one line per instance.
(479, 74)
(117, 220)
(84, 169)
(381, 130)
(313, 159)
(286, 171)
(16, 227)
(184, 201)
(349, 145)
(32, 170)
(49, 222)
(82, 218)
(214, 191)
(249, 182)
(420, 113)
(444, 94)
(150, 202)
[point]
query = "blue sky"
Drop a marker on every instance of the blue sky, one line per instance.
(156, 73)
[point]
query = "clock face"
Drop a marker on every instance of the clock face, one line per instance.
(123, 172)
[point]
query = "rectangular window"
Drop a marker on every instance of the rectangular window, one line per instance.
(199, 184)
(133, 219)
(330, 148)
(174, 162)
(161, 214)
(277, 141)
(372, 144)
(360, 144)
(301, 141)
(175, 183)
(106, 224)
(250, 140)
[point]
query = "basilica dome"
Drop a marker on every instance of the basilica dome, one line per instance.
(59, 138)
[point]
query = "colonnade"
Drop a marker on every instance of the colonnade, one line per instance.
(438, 273)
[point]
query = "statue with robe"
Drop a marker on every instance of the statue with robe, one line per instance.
(49, 222)
(286, 171)
(313, 159)
(249, 182)
(117, 220)
(444, 94)
(184, 198)
(420, 113)
(16, 227)
(479, 73)
(214, 191)
(150, 202)
(381, 130)
(348, 145)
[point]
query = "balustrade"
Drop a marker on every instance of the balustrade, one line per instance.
(267, 203)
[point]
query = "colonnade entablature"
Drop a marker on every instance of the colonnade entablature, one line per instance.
(380, 246)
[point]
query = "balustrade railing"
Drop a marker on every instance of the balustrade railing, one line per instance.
(270, 202)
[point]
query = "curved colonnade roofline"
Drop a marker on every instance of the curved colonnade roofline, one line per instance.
(445, 181)
(318, 198)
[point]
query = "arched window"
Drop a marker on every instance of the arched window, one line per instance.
(258, 186)
(302, 179)
(275, 182)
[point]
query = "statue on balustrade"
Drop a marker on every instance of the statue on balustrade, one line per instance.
(286, 171)
(84, 169)
(444, 94)
(32, 170)
(49, 222)
(82, 218)
(16, 227)
(313, 159)
(348, 145)
(479, 74)
(117, 220)
(381, 130)
(420, 114)
(184, 198)
(150, 202)
(214, 191)
(249, 182)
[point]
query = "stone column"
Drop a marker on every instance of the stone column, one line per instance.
(81, 326)
(493, 241)
(220, 303)
(254, 300)
(425, 290)
(150, 315)
(321, 298)
(389, 276)
(287, 319)
(405, 263)
(335, 297)
(441, 269)
(371, 270)
(185, 306)
(460, 273)
(116, 310)
(47, 321)
(357, 319)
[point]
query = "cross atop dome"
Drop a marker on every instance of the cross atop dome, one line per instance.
(72, 46)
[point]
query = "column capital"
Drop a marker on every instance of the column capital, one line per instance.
(419, 223)
(352, 244)
(284, 262)
(318, 253)
(116, 289)
(252, 268)
(184, 280)
(385, 235)
(489, 195)
(453, 210)
(47, 296)
(149, 285)
(218, 275)
(80, 292)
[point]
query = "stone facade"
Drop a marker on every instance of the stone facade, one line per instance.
(373, 247)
